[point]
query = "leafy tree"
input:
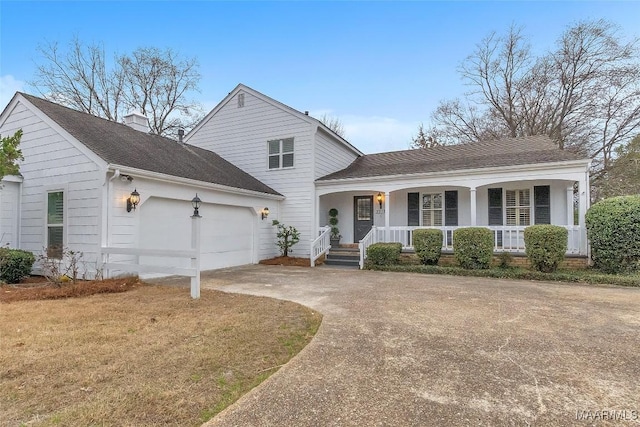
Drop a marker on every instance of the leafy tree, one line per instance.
(287, 237)
(333, 123)
(10, 154)
(155, 82)
(584, 93)
(623, 177)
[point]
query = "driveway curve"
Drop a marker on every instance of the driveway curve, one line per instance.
(422, 350)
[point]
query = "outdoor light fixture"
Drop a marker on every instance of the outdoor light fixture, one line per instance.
(195, 202)
(379, 199)
(133, 200)
(265, 213)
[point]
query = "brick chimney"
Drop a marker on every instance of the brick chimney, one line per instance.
(137, 121)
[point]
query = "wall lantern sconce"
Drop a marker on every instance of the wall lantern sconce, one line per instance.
(379, 199)
(133, 200)
(264, 213)
(196, 202)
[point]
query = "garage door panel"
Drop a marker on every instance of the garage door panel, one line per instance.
(226, 232)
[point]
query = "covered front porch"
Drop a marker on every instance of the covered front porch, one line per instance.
(390, 210)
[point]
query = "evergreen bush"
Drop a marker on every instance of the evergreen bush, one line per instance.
(613, 228)
(473, 247)
(15, 264)
(428, 245)
(545, 246)
(384, 253)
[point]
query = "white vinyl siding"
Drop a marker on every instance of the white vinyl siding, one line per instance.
(518, 207)
(240, 135)
(330, 155)
(432, 208)
(52, 163)
(9, 200)
(55, 224)
(280, 153)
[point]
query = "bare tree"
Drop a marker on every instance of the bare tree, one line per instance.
(155, 82)
(426, 138)
(584, 94)
(333, 123)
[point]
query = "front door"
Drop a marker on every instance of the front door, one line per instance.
(362, 216)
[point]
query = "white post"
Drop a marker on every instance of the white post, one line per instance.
(570, 205)
(473, 206)
(387, 215)
(312, 260)
(582, 210)
(195, 262)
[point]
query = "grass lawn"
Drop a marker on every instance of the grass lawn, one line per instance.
(149, 356)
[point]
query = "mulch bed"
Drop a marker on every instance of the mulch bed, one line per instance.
(287, 260)
(36, 288)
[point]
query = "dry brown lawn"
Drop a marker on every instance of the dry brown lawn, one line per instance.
(149, 356)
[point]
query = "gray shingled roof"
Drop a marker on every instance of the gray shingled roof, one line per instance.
(486, 154)
(119, 144)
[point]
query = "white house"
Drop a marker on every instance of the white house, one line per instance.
(252, 152)
(79, 171)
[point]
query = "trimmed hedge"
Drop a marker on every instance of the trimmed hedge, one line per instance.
(613, 227)
(15, 264)
(473, 247)
(384, 253)
(428, 245)
(519, 273)
(545, 246)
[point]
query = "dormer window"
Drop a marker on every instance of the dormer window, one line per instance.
(280, 153)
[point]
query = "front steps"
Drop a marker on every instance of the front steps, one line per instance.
(344, 255)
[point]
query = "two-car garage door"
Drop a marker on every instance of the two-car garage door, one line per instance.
(226, 232)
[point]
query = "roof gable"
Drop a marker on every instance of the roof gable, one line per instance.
(298, 114)
(485, 154)
(118, 144)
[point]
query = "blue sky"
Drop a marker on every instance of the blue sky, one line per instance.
(381, 67)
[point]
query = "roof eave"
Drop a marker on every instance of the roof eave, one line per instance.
(193, 182)
(497, 169)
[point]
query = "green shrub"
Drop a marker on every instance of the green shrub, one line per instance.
(545, 246)
(505, 259)
(333, 222)
(384, 253)
(613, 227)
(581, 276)
(473, 247)
(428, 245)
(15, 264)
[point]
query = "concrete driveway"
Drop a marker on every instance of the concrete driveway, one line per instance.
(419, 350)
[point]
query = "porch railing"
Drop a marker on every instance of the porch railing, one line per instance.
(320, 245)
(369, 239)
(505, 238)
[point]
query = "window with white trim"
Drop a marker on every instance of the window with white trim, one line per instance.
(280, 153)
(518, 207)
(55, 224)
(432, 207)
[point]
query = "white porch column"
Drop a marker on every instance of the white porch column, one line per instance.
(473, 206)
(583, 193)
(570, 205)
(387, 214)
